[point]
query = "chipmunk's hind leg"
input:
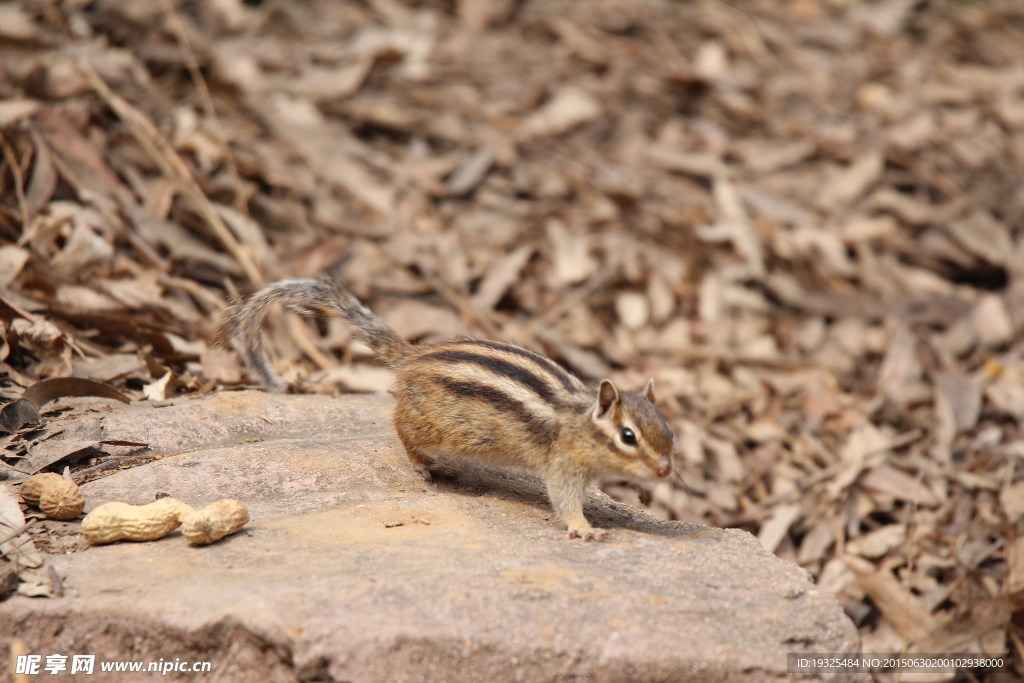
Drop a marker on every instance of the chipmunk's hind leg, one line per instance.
(419, 448)
(426, 466)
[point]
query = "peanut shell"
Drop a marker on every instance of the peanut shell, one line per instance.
(120, 521)
(32, 488)
(57, 497)
(62, 500)
(214, 522)
(180, 509)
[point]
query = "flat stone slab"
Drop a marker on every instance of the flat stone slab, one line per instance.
(354, 569)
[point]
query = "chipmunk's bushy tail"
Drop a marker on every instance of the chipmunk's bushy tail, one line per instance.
(308, 297)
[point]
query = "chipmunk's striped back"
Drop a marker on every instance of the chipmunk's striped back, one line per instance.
(490, 368)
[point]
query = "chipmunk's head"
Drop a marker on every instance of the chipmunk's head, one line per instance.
(633, 430)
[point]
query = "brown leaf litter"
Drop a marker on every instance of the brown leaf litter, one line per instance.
(802, 219)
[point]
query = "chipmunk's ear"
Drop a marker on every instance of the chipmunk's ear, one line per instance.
(649, 390)
(607, 397)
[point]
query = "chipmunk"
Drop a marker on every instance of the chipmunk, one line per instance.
(489, 400)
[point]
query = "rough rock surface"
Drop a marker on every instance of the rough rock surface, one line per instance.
(352, 568)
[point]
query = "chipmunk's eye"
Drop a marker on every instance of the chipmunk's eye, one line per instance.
(628, 437)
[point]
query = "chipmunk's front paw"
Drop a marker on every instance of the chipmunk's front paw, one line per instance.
(588, 534)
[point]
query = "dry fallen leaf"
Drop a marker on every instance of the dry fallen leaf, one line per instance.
(12, 260)
(568, 108)
(851, 182)
(902, 609)
(55, 451)
(500, 277)
(158, 389)
(879, 542)
(775, 529)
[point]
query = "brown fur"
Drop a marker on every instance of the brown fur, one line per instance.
(488, 400)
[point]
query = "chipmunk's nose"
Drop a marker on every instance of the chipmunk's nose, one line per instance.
(664, 467)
